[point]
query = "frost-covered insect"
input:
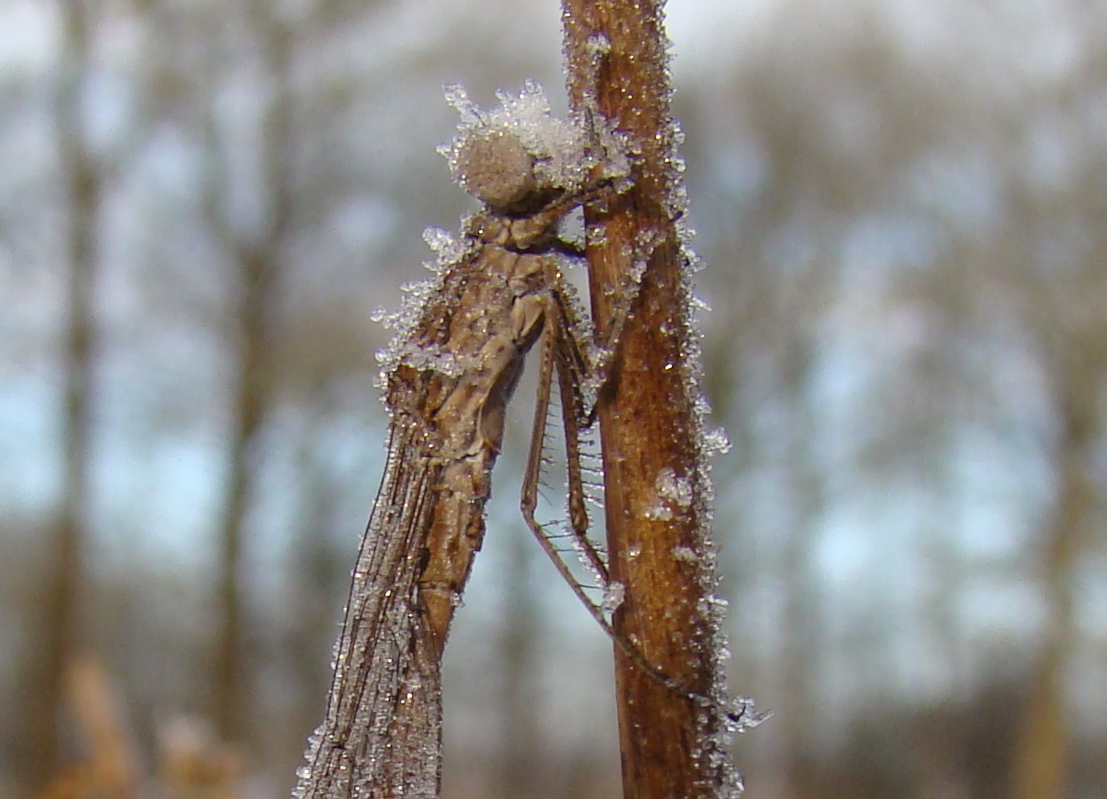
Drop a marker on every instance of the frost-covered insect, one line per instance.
(448, 376)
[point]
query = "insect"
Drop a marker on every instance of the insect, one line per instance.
(447, 381)
(448, 377)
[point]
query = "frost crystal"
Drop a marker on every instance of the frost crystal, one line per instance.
(716, 441)
(458, 98)
(673, 494)
(684, 554)
(445, 244)
(744, 716)
(613, 597)
(598, 44)
(671, 487)
(402, 321)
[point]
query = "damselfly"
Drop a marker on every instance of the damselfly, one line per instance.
(448, 377)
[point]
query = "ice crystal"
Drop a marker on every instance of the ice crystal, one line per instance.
(458, 98)
(684, 554)
(613, 597)
(744, 715)
(674, 488)
(448, 248)
(597, 45)
(716, 441)
(385, 318)
(402, 321)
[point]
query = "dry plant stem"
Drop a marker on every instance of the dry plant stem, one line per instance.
(647, 417)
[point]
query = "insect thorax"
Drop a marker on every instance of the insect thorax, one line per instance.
(526, 233)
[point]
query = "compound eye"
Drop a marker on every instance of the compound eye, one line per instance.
(493, 165)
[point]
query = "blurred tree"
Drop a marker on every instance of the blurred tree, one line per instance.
(82, 185)
(258, 247)
(1062, 296)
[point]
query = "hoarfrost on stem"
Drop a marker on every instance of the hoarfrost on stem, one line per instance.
(716, 441)
(672, 487)
(684, 554)
(613, 597)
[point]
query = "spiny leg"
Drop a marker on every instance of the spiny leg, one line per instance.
(563, 352)
(578, 515)
(529, 500)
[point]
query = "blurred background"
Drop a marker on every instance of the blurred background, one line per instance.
(902, 206)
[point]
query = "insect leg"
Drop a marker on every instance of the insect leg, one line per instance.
(561, 351)
(578, 516)
(551, 342)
